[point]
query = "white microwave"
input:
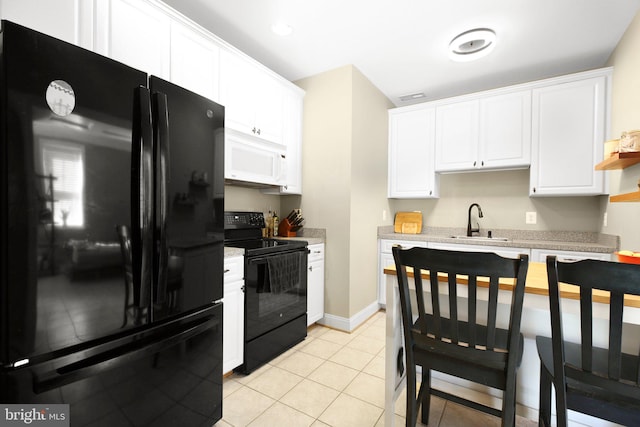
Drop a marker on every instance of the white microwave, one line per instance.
(254, 160)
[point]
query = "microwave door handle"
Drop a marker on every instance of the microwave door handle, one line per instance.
(142, 198)
(161, 134)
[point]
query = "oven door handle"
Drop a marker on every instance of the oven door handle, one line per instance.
(264, 258)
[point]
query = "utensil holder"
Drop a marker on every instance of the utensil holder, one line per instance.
(284, 229)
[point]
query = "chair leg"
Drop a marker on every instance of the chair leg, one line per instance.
(509, 402)
(412, 407)
(544, 411)
(425, 395)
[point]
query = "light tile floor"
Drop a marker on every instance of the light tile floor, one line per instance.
(332, 378)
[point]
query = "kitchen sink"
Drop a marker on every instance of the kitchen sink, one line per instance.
(481, 238)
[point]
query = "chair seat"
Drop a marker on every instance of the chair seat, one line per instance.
(599, 401)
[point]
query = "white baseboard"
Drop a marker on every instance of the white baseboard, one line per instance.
(351, 323)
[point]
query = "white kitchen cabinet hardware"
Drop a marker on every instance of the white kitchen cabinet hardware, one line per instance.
(570, 124)
(233, 314)
(385, 259)
(315, 283)
(488, 133)
(411, 153)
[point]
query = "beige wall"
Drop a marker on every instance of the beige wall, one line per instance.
(368, 188)
(326, 179)
(344, 181)
(238, 198)
(624, 218)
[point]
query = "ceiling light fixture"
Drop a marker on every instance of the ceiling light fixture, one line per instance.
(413, 96)
(472, 45)
(281, 28)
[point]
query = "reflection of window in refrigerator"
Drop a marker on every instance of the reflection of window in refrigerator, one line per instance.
(65, 161)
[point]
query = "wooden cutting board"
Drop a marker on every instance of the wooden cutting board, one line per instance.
(408, 222)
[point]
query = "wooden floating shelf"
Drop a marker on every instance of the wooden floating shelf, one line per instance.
(619, 161)
(626, 197)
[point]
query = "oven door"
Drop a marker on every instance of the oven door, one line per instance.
(275, 290)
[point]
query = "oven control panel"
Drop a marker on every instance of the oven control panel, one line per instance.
(242, 220)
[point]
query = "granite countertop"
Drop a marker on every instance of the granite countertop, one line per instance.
(532, 239)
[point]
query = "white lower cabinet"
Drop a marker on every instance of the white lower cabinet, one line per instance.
(500, 250)
(385, 259)
(233, 314)
(540, 255)
(315, 283)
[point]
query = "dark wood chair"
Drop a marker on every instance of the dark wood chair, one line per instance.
(456, 332)
(602, 382)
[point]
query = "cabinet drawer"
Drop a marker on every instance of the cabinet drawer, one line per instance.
(386, 245)
(233, 269)
(316, 252)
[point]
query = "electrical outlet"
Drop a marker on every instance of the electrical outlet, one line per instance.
(530, 218)
(604, 221)
(384, 214)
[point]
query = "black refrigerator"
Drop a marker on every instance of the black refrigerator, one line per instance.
(111, 239)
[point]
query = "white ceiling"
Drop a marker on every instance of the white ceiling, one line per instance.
(401, 45)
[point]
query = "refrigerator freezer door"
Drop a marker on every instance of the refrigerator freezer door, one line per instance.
(168, 375)
(193, 155)
(65, 175)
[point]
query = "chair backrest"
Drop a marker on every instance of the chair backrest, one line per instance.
(443, 318)
(605, 368)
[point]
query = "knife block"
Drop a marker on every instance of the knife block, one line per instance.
(284, 229)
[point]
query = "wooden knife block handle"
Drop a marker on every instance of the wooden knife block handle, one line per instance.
(284, 229)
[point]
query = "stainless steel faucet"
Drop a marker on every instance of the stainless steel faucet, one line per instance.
(470, 230)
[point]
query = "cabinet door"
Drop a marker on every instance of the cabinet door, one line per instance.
(411, 154)
(315, 284)
(233, 314)
(505, 131)
(385, 259)
(254, 100)
(506, 252)
(292, 138)
(457, 136)
(568, 130)
(134, 32)
(540, 255)
(60, 19)
(195, 61)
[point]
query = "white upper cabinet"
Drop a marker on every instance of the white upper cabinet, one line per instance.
(457, 136)
(505, 131)
(569, 127)
(411, 153)
(195, 61)
(135, 33)
(491, 132)
(254, 99)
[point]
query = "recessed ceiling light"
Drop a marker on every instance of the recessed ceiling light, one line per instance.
(281, 28)
(472, 44)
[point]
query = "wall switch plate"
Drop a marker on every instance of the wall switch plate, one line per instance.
(384, 214)
(530, 218)
(604, 221)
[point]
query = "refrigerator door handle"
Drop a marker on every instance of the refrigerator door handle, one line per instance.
(96, 364)
(142, 198)
(161, 135)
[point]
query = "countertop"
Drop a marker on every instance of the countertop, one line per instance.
(531, 239)
(537, 284)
